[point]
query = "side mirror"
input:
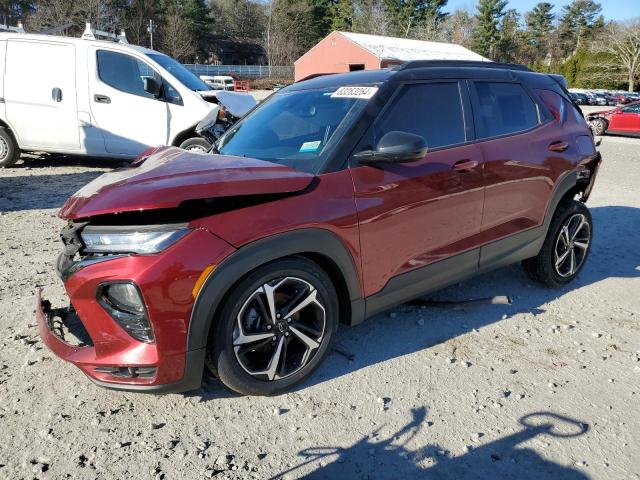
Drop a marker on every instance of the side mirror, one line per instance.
(395, 147)
(152, 86)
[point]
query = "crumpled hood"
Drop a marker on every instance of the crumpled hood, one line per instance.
(169, 176)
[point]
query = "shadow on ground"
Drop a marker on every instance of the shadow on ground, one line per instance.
(393, 457)
(614, 254)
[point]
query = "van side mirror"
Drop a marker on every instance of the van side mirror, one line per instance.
(152, 86)
(395, 147)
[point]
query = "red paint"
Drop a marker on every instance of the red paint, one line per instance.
(620, 120)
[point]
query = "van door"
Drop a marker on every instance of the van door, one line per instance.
(41, 103)
(129, 118)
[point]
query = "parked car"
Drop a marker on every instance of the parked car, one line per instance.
(621, 120)
(218, 82)
(95, 97)
(334, 200)
(620, 99)
(580, 98)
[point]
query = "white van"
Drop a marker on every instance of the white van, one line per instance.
(93, 97)
(218, 82)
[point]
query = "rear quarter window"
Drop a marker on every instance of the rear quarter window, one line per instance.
(503, 109)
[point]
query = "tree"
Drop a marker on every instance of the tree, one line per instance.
(578, 22)
(458, 28)
(619, 49)
(175, 35)
(486, 35)
(539, 25)
(511, 41)
(408, 15)
(136, 20)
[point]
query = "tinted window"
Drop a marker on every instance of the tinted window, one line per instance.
(431, 110)
(503, 108)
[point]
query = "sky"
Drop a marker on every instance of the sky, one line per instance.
(611, 9)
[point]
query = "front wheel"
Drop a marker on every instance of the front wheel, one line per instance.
(274, 328)
(196, 144)
(566, 247)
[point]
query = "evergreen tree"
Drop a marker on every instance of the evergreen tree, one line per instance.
(486, 35)
(408, 15)
(539, 23)
(579, 21)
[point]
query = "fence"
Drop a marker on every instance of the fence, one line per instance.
(243, 70)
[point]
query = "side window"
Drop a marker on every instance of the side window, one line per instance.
(503, 108)
(124, 72)
(632, 108)
(432, 110)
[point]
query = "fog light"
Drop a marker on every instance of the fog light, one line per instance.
(122, 300)
(127, 372)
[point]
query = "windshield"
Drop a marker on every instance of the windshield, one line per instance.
(179, 71)
(299, 129)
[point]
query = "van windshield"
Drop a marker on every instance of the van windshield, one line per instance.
(175, 68)
(299, 129)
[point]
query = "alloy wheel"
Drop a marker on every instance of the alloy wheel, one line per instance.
(572, 245)
(279, 328)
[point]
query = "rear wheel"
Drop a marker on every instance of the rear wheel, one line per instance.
(9, 151)
(274, 328)
(196, 144)
(598, 126)
(566, 247)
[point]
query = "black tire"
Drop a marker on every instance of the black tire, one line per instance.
(542, 268)
(9, 150)
(225, 361)
(598, 126)
(196, 144)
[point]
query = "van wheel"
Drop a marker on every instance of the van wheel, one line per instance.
(566, 248)
(196, 144)
(9, 151)
(274, 328)
(598, 126)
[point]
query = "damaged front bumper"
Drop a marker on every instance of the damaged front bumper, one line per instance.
(64, 334)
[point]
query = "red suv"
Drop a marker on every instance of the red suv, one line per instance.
(334, 200)
(621, 120)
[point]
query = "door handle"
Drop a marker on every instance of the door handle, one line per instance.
(465, 165)
(559, 146)
(101, 98)
(56, 94)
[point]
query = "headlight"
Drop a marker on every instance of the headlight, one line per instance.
(145, 239)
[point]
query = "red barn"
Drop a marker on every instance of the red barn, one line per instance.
(341, 52)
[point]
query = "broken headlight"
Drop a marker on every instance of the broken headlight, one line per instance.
(136, 239)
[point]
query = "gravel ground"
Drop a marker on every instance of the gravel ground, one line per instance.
(547, 387)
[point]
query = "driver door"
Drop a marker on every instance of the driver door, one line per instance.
(128, 118)
(412, 215)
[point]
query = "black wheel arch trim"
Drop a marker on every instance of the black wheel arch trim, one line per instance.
(317, 241)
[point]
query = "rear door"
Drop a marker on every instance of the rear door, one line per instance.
(41, 103)
(414, 214)
(520, 168)
(129, 118)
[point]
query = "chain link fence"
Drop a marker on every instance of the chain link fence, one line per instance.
(243, 70)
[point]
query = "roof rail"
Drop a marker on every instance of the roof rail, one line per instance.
(8, 28)
(460, 64)
(90, 34)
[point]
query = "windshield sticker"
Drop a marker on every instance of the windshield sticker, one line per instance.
(310, 146)
(364, 93)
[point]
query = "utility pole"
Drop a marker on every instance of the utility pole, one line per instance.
(151, 28)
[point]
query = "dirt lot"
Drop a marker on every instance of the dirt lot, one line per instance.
(548, 387)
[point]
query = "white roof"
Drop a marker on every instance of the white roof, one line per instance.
(405, 49)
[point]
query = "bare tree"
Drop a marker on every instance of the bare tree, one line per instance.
(620, 44)
(176, 39)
